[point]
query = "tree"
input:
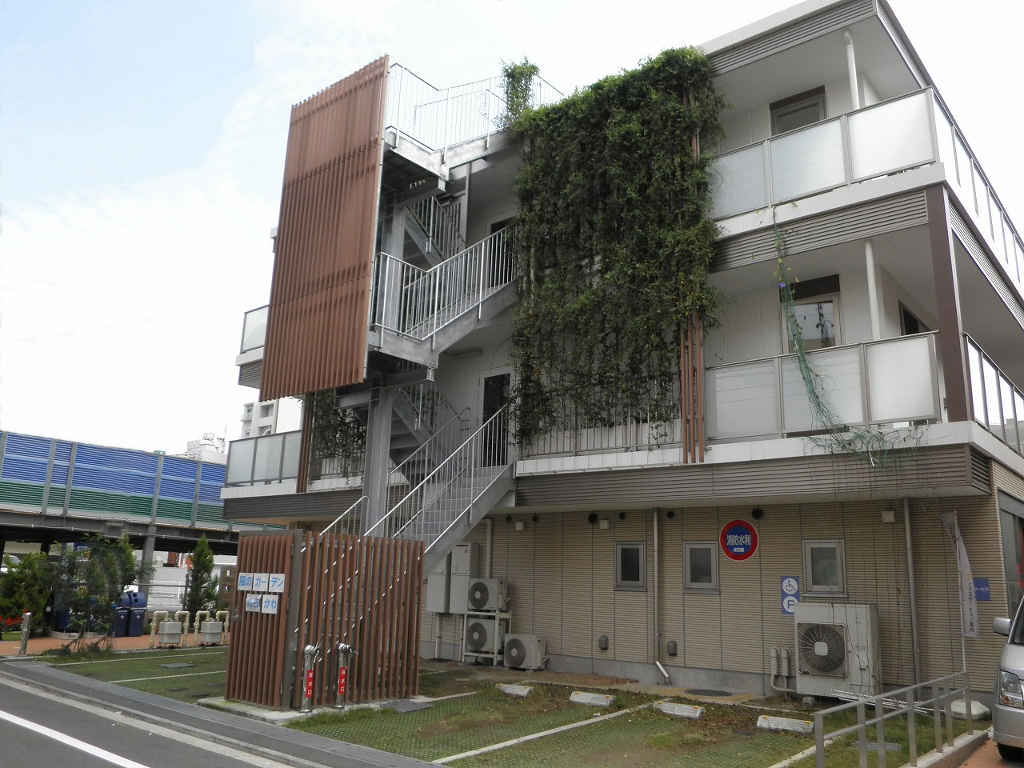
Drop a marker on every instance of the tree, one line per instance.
(202, 591)
(26, 587)
(89, 582)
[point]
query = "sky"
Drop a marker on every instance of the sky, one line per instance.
(142, 151)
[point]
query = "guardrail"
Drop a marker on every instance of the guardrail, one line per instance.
(876, 382)
(254, 329)
(350, 522)
(904, 702)
(996, 403)
(263, 459)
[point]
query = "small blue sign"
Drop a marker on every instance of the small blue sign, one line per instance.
(982, 592)
(790, 588)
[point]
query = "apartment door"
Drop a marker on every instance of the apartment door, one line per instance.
(495, 438)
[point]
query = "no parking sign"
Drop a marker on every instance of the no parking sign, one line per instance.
(738, 540)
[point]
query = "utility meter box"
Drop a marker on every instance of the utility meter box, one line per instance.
(439, 586)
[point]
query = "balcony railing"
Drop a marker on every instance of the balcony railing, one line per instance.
(264, 459)
(997, 404)
(883, 139)
(254, 329)
(438, 118)
(878, 382)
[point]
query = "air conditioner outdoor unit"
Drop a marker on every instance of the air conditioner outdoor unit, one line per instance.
(525, 652)
(837, 649)
(483, 635)
(485, 595)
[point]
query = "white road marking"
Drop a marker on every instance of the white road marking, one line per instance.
(137, 658)
(168, 677)
(63, 738)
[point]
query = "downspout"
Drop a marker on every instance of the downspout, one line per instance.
(914, 637)
(656, 650)
(851, 69)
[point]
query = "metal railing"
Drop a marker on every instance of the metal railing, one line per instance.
(263, 459)
(254, 328)
(441, 499)
(419, 302)
(438, 446)
(441, 224)
(349, 522)
(877, 382)
(622, 427)
(886, 138)
(438, 118)
(996, 403)
(934, 697)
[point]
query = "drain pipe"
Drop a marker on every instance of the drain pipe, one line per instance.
(912, 585)
(222, 616)
(851, 69)
(158, 616)
(182, 616)
(656, 655)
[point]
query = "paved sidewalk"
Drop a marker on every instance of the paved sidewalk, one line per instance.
(988, 757)
(38, 645)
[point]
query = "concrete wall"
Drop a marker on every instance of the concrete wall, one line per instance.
(560, 572)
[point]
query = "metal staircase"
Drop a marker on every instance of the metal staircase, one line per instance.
(434, 227)
(418, 313)
(453, 497)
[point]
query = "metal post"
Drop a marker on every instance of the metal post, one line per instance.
(968, 702)
(309, 659)
(912, 587)
(862, 738)
(345, 652)
(819, 740)
(880, 731)
(947, 706)
(937, 697)
(912, 726)
(26, 624)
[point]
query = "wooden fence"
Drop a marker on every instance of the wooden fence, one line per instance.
(361, 591)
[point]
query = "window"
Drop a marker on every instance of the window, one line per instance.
(910, 323)
(797, 111)
(818, 321)
(701, 566)
(630, 570)
(824, 567)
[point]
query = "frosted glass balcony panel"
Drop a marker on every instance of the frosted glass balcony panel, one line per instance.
(901, 380)
(1009, 419)
(292, 441)
(838, 376)
(741, 400)
(977, 384)
(268, 458)
(240, 462)
(254, 329)
(807, 161)
(891, 136)
(738, 183)
(992, 402)
(965, 168)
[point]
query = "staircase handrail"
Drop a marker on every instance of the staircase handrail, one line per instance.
(427, 444)
(345, 514)
(440, 467)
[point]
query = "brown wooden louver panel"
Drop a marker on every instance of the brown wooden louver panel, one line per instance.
(320, 295)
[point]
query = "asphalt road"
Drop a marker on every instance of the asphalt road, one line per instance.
(37, 730)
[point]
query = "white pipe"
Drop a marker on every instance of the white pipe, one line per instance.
(488, 546)
(656, 654)
(184, 625)
(200, 615)
(158, 616)
(851, 69)
(664, 673)
(912, 586)
(874, 302)
(223, 616)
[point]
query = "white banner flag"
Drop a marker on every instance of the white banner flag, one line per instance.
(968, 601)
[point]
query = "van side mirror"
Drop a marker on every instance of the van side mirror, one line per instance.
(1001, 626)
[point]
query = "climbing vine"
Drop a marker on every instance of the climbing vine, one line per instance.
(518, 84)
(615, 243)
(337, 433)
(830, 433)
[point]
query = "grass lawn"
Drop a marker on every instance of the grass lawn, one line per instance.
(127, 668)
(726, 737)
(458, 725)
(10, 635)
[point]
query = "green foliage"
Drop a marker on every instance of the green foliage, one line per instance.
(336, 431)
(518, 84)
(90, 582)
(202, 590)
(616, 241)
(26, 586)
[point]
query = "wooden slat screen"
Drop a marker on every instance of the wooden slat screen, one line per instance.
(365, 592)
(320, 295)
(362, 591)
(256, 655)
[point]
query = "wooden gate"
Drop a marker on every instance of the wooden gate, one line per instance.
(352, 589)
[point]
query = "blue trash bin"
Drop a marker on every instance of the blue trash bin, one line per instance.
(138, 618)
(121, 616)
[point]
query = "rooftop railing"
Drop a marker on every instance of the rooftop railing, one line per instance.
(438, 118)
(996, 403)
(883, 139)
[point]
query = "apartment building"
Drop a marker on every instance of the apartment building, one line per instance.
(688, 554)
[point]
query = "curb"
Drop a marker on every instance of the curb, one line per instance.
(963, 746)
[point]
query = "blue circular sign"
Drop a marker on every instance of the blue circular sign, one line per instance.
(738, 540)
